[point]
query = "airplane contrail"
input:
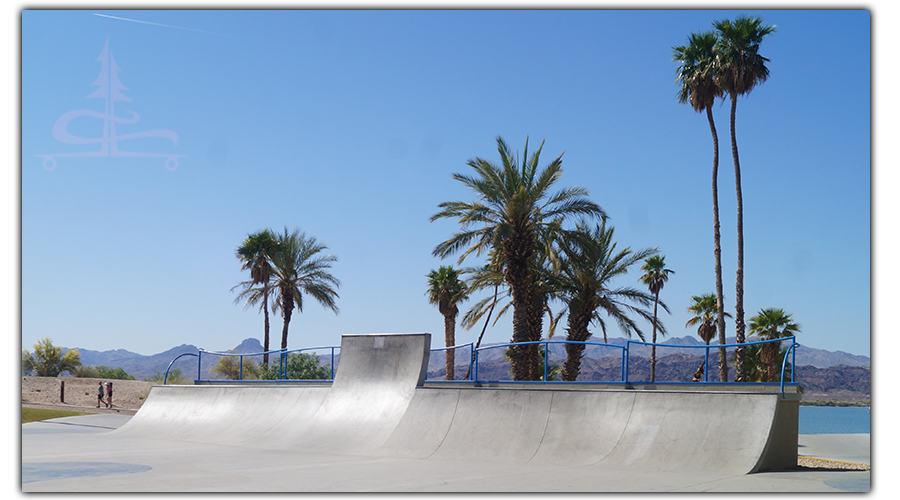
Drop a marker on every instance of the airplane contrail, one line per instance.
(153, 24)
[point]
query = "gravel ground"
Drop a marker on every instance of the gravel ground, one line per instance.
(80, 394)
(818, 463)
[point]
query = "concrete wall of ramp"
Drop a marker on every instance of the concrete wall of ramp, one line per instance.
(378, 406)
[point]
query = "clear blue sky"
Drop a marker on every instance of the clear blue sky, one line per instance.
(348, 125)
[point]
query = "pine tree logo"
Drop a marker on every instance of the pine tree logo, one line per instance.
(109, 88)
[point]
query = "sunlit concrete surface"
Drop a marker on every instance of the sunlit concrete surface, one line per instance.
(377, 428)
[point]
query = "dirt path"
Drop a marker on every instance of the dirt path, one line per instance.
(80, 394)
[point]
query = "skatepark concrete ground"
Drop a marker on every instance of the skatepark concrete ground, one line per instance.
(377, 428)
(75, 454)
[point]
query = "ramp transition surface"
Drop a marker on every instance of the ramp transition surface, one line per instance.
(377, 427)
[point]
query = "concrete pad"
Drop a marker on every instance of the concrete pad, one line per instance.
(850, 448)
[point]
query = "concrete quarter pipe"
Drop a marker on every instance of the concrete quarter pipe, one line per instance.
(378, 427)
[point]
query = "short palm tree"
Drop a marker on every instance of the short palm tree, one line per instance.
(740, 69)
(446, 290)
(655, 277)
(771, 324)
(586, 277)
(697, 73)
(705, 312)
(255, 254)
(515, 215)
(299, 269)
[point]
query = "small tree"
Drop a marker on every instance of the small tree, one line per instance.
(101, 371)
(230, 368)
(49, 360)
(175, 377)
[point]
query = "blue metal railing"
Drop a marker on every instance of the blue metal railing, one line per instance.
(545, 343)
(476, 353)
(793, 346)
(626, 354)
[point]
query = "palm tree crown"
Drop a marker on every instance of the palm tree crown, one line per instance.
(705, 313)
(771, 324)
(697, 71)
(298, 269)
(741, 67)
(586, 275)
(256, 253)
(516, 216)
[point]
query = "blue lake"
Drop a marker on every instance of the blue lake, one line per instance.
(834, 420)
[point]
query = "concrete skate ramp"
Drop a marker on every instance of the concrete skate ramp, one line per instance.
(377, 406)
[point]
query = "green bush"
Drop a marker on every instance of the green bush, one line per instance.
(299, 367)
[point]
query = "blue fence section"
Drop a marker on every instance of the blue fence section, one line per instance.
(474, 357)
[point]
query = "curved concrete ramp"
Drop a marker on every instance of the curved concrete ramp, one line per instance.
(378, 408)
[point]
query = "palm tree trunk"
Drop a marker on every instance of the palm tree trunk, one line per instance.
(266, 316)
(287, 308)
(522, 358)
(484, 329)
(578, 331)
(717, 250)
(653, 347)
(450, 340)
(739, 375)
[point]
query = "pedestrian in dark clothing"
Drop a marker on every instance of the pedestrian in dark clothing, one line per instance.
(109, 394)
(100, 395)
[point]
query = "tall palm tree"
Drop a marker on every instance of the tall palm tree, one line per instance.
(516, 216)
(770, 324)
(741, 68)
(446, 290)
(697, 72)
(298, 269)
(255, 253)
(655, 277)
(586, 276)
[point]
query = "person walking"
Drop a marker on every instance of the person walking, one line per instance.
(100, 395)
(109, 394)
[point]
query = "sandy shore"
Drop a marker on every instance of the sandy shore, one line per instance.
(80, 394)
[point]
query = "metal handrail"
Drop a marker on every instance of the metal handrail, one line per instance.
(474, 375)
(626, 351)
(792, 349)
(166, 376)
(717, 346)
(471, 358)
(234, 354)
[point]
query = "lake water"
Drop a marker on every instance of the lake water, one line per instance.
(834, 420)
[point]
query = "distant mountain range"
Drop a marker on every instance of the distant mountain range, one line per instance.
(819, 370)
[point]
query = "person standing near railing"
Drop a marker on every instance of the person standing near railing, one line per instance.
(100, 394)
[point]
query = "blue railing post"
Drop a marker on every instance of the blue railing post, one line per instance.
(626, 355)
(199, 358)
(332, 363)
(546, 351)
(706, 364)
(793, 346)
